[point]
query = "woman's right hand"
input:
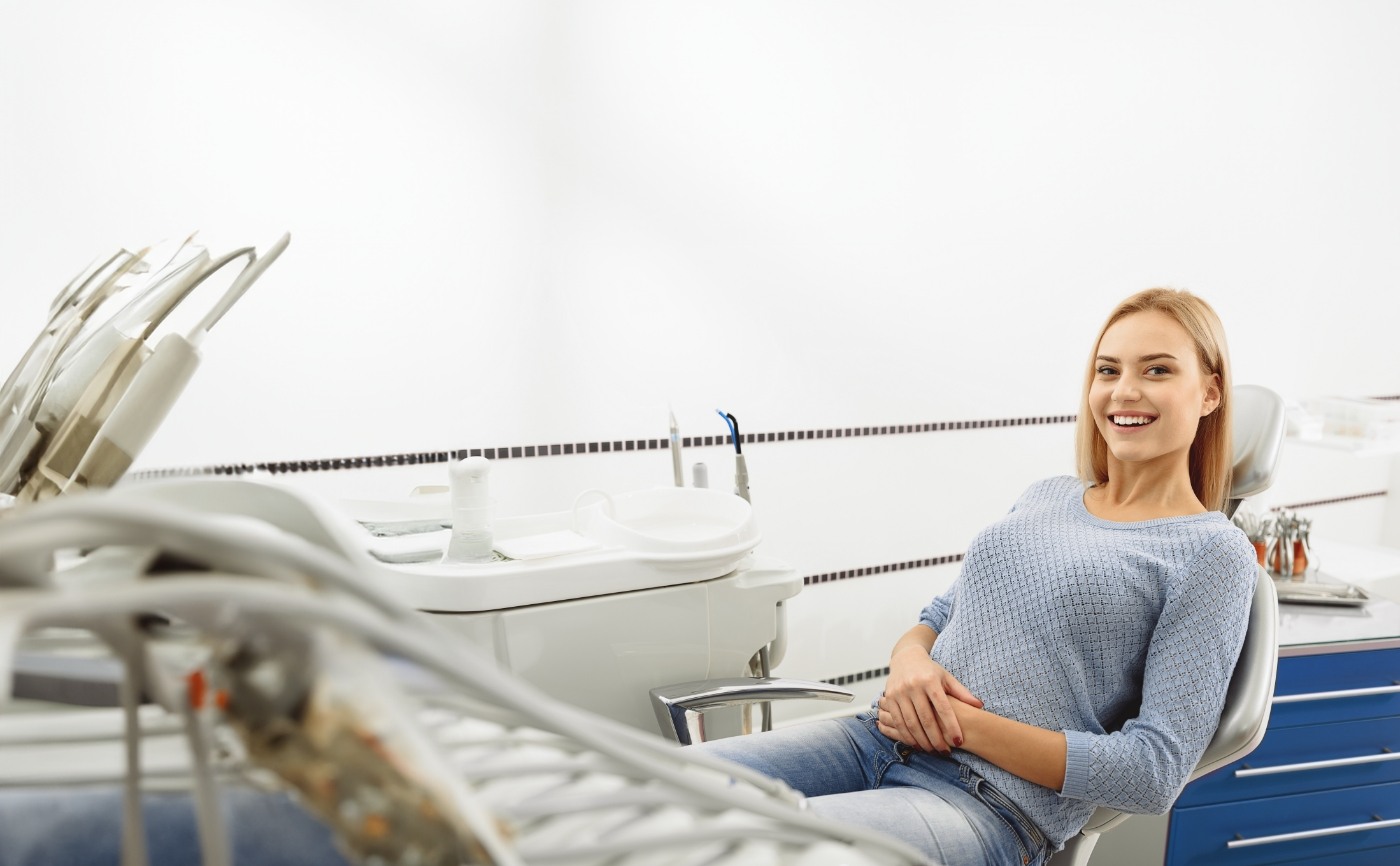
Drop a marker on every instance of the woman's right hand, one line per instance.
(917, 708)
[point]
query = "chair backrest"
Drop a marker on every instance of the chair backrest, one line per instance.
(1258, 438)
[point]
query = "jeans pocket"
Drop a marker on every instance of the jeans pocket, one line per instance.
(885, 752)
(1028, 837)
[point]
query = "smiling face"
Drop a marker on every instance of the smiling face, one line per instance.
(1149, 391)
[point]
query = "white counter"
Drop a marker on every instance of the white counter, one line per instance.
(1308, 629)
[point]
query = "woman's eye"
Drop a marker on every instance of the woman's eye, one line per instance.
(1157, 370)
(1106, 371)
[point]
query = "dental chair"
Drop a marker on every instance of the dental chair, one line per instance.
(1259, 429)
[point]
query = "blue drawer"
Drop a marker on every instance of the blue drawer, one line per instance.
(1301, 759)
(1334, 688)
(1344, 822)
(1388, 856)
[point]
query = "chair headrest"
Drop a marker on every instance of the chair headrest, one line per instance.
(1259, 421)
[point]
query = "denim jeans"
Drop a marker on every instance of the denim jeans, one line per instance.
(68, 826)
(851, 772)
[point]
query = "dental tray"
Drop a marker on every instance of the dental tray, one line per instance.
(608, 543)
(1312, 592)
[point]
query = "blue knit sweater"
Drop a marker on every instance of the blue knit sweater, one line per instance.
(1122, 635)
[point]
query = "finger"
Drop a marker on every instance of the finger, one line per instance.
(925, 722)
(892, 726)
(948, 725)
(887, 725)
(889, 732)
(960, 691)
(914, 733)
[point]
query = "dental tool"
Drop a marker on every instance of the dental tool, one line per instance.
(159, 383)
(676, 451)
(24, 393)
(100, 400)
(741, 469)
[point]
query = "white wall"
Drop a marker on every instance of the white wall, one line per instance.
(538, 223)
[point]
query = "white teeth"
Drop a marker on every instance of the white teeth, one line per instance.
(1130, 420)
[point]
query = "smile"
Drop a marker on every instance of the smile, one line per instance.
(1131, 420)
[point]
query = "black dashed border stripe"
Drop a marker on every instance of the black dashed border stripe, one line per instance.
(518, 452)
(849, 679)
(886, 568)
(1334, 501)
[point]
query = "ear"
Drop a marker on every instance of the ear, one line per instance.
(1212, 396)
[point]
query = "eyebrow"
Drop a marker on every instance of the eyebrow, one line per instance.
(1156, 356)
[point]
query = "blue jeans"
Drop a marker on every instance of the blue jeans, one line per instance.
(67, 826)
(851, 772)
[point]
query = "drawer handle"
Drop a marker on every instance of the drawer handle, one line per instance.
(1246, 771)
(1375, 824)
(1327, 696)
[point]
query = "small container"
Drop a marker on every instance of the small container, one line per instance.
(472, 539)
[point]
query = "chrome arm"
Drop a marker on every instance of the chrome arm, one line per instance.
(677, 705)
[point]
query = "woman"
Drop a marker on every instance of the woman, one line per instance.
(1081, 657)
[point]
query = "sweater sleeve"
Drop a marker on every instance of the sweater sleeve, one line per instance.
(936, 613)
(1143, 766)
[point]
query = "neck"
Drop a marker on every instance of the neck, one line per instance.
(1138, 491)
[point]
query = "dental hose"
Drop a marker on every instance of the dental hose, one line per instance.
(741, 469)
(741, 488)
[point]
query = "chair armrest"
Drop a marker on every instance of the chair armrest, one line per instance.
(676, 705)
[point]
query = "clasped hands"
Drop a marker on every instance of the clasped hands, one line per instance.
(922, 702)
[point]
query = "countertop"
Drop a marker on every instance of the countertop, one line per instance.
(1308, 629)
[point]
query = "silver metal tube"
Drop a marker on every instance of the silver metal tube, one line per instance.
(1246, 772)
(1313, 834)
(1328, 696)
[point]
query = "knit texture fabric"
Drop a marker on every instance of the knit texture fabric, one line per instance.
(1121, 635)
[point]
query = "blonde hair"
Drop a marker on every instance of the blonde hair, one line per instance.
(1212, 451)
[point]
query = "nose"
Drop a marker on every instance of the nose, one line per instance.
(1125, 390)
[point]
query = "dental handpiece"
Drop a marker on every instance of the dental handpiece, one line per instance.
(676, 452)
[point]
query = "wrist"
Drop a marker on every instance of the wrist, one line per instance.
(905, 651)
(970, 719)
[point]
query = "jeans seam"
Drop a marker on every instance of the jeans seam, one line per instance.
(986, 792)
(885, 757)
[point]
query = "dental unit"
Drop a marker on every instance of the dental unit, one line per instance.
(431, 682)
